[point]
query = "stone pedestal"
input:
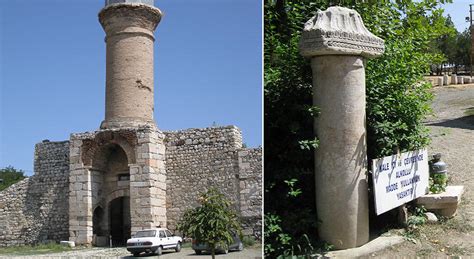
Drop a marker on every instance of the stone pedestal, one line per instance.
(445, 80)
(454, 79)
(337, 42)
(460, 80)
(129, 31)
(440, 81)
(445, 203)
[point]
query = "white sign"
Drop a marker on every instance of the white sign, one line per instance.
(399, 179)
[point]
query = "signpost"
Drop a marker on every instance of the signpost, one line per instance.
(399, 179)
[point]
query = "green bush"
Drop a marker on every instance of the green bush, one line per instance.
(248, 241)
(10, 176)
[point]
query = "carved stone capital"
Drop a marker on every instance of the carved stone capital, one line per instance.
(339, 31)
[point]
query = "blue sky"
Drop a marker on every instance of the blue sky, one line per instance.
(458, 10)
(52, 70)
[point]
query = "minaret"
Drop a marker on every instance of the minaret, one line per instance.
(129, 27)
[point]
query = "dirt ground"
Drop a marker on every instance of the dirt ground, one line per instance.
(96, 252)
(452, 132)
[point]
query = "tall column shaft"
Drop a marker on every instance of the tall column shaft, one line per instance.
(341, 185)
(129, 67)
(337, 42)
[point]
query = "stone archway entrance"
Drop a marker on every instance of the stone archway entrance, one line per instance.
(119, 222)
(110, 188)
(110, 168)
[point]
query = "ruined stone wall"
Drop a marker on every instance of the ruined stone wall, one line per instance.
(250, 190)
(36, 209)
(197, 159)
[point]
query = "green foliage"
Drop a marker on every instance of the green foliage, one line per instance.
(415, 220)
(212, 221)
(248, 241)
(10, 176)
(397, 103)
(437, 183)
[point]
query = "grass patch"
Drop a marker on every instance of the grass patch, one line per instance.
(461, 225)
(31, 250)
(469, 111)
(424, 252)
(455, 250)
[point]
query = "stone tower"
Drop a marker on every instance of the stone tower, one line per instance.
(129, 27)
(117, 180)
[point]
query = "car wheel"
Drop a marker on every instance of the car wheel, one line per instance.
(198, 252)
(136, 254)
(159, 250)
(241, 246)
(178, 247)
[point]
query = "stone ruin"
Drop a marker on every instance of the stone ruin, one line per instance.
(128, 175)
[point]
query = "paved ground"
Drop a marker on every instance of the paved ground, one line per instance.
(452, 133)
(95, 252)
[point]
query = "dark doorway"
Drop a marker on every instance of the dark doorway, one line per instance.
(97, 221)
(120, 231)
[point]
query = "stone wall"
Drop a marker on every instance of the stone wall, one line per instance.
(250, 190)
(35, 209)
(197, 159)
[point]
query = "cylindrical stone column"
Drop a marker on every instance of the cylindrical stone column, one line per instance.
(129, 27)
(337, 42)
(445, 80)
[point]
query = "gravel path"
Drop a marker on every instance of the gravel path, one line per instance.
(96, 252)
(452, 133)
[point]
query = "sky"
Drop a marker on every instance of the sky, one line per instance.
(459, 10)
(208, 70)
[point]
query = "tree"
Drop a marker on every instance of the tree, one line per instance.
(397, 103)
(10, 176)
(212, 221)
(462, 56)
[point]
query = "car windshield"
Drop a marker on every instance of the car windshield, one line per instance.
(146, 233)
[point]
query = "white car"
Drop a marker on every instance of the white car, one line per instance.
(153, 241)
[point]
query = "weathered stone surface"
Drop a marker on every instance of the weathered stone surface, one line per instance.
(454, 79)
(339, 31)
(36, 209)
(431, 217)
(337, 41)
(445, 80)
(197, 159)
(341, 190)
(445, 203)
(460, 80)
(148, 2)
(129, 67)
(440, 81)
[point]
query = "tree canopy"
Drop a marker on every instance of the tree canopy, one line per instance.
(212, 222)
(9, 176)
